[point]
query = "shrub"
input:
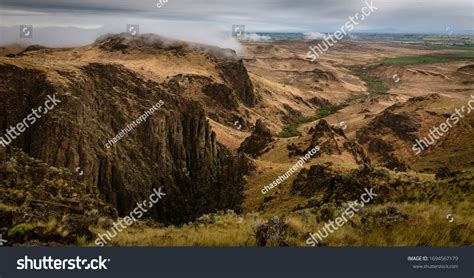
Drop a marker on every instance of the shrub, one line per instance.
(325, 110)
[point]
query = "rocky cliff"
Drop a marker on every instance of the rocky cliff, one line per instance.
(174, 148)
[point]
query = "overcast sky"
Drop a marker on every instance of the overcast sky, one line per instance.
(195, 19)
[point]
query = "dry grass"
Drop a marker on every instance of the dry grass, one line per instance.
(427, 226)
(210, 230)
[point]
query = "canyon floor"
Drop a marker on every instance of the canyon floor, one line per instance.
(231, 125)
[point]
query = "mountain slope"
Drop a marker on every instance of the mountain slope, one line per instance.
(97, 101)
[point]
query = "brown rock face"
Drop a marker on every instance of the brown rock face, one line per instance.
(319, 74)
(319, 101)
(222, 95)
(258, 143)
(332, 140)
(469, 69)
(327, 137)
(332, 185)
(386, 133)
(174, 148)
(402, 124)
(234, 73)
(221, 101)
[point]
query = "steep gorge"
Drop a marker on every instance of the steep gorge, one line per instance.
(174, 149)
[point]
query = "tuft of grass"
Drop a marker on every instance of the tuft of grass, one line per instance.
(219, 230)
(289, 131)
(20, 229)
(427, 226)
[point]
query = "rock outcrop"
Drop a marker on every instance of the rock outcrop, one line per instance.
(234, 73)
(272, 233)
(401, 125)
(333, 186)
(331, 140)
(260, 140)
(319, 75)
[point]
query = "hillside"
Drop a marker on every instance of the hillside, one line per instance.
(226, 127)
(98, 99)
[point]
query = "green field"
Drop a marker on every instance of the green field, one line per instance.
(415, 60)
(454, 47)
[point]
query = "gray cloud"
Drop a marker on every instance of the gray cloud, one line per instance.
(205, 20)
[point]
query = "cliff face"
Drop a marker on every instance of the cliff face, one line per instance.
(235, 74)
(174, 148)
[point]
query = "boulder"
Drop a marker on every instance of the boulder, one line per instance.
(272, 233)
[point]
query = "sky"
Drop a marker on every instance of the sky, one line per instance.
(210, 21)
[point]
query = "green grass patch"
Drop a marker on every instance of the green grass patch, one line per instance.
(20, 229)
(291, 129)
(454, 47)
(326, 110)
(416, 60)
(375, 86)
